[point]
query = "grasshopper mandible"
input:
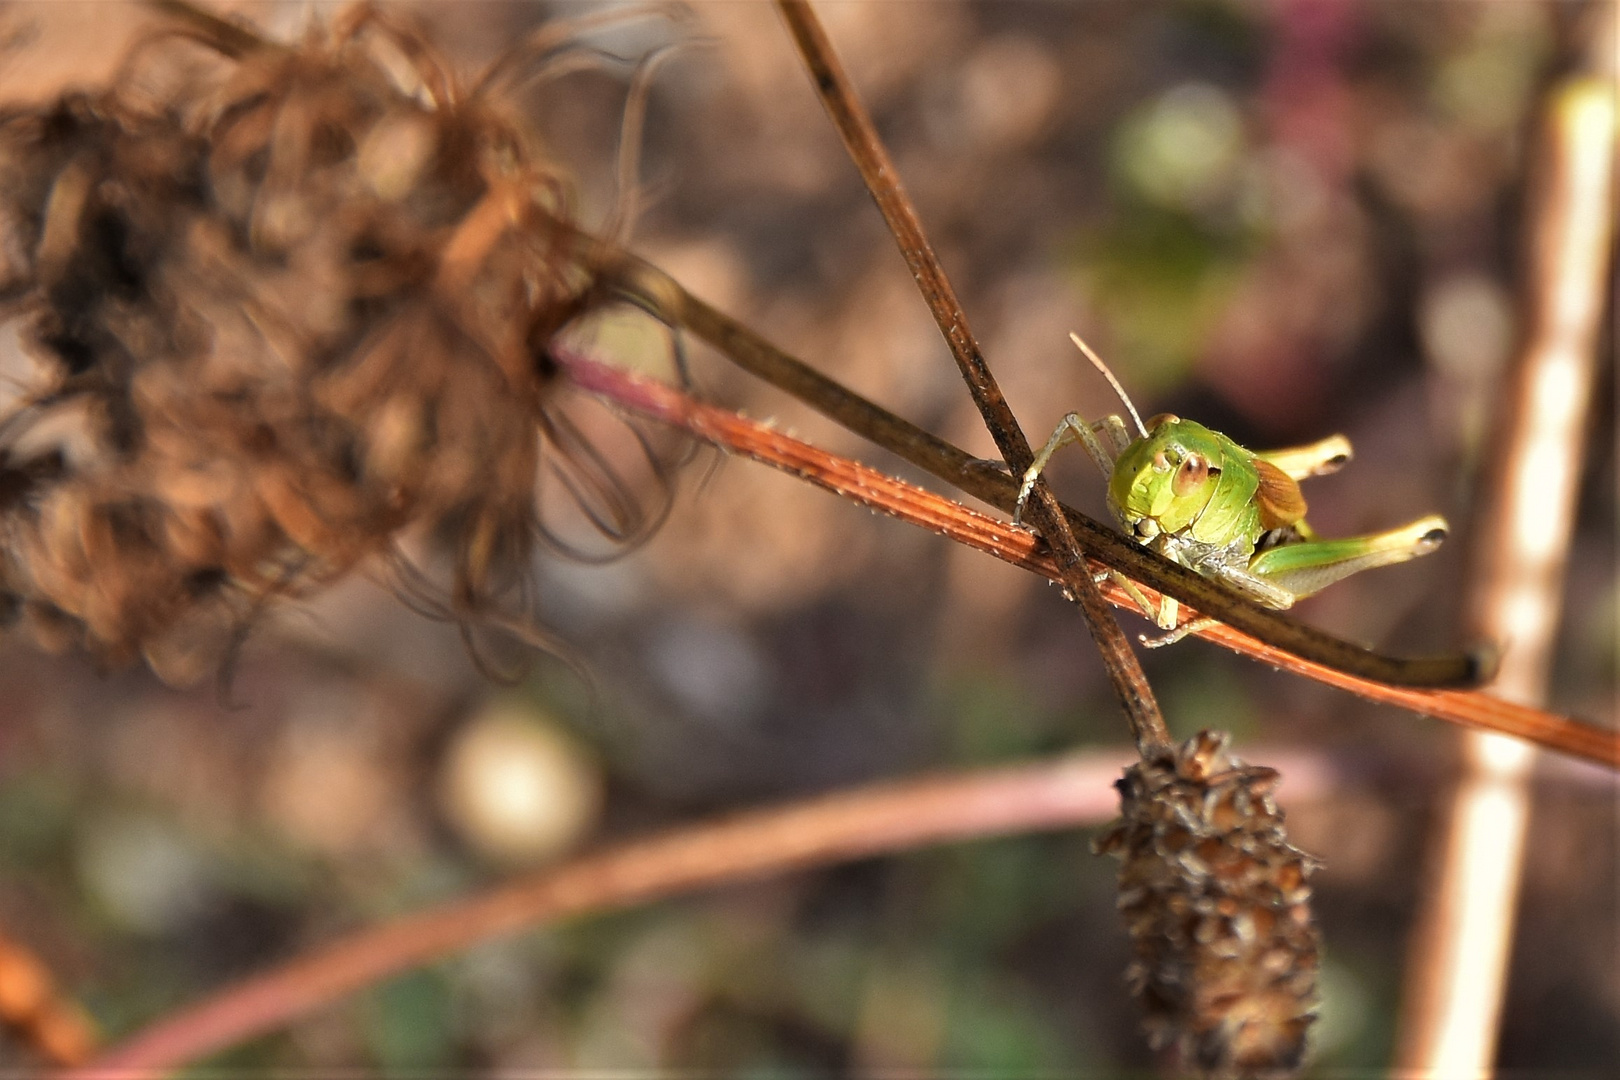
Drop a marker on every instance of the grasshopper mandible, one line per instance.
(1231, 514)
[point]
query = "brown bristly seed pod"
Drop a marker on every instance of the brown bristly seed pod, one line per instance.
(286, 304)
(1217, 905)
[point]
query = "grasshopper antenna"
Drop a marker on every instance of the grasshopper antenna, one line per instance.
(1096, 362)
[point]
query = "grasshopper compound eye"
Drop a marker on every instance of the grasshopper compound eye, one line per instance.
(1191, 476)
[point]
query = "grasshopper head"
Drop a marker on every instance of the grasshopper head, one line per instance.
(1162, 482)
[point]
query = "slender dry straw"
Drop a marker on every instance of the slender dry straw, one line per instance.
(1457, 966)
(876, 820)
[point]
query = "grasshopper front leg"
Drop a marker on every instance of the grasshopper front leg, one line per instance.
(1103, 439)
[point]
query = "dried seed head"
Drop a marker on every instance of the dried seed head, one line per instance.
(1217, 905)
(284, 303)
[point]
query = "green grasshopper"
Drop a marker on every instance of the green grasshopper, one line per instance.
(1234, 515)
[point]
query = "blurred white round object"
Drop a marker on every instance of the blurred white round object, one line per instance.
(147, 874)
(516, 788)
(1467, 325)
(1010, 85)
(1183, 148)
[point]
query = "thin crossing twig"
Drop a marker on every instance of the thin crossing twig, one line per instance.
(883, 181)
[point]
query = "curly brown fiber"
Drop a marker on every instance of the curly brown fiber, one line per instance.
(277, 307)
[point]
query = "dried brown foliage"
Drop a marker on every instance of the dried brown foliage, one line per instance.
(285, 305)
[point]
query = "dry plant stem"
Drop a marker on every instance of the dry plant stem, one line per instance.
(883, 181)
(633, 277)
(879, 491)
(1457, 966)
(876, 820)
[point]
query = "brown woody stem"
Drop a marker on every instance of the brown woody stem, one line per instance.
(883, 181)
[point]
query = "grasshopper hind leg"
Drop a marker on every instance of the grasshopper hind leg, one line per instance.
(1319, 458)
(1306, 568)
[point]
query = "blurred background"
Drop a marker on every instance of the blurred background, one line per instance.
(1282, 219)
